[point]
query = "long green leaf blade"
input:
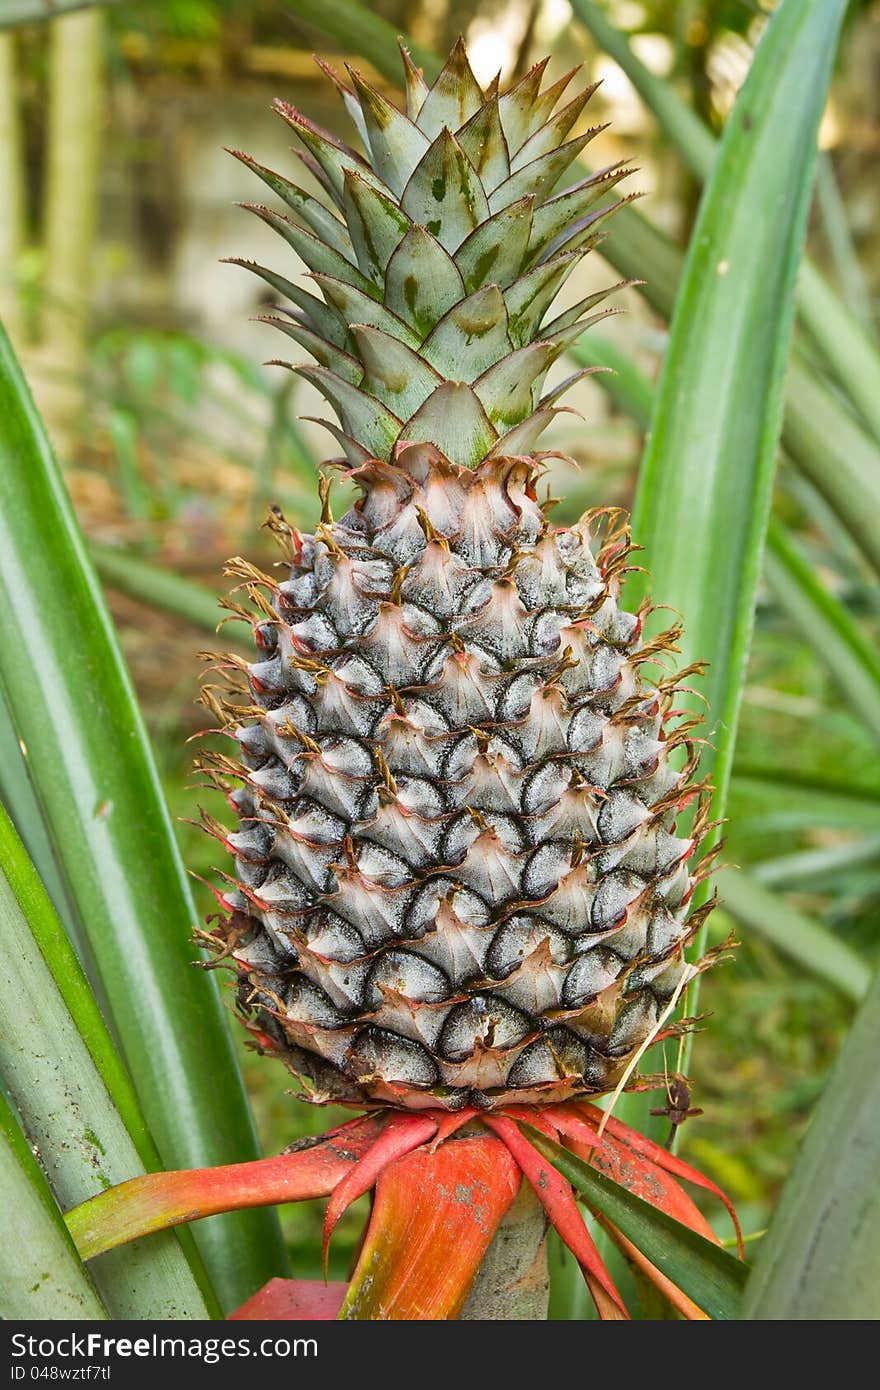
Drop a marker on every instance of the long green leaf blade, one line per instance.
(160, 588)
(704, 487)
(74, 708)
(821, 1256)
(47, 1013)
(708, 467)
(626, 386)
(796, 935)
(834, 452)
(707, 1273)
(826, 624)
(41, 1275)
(793, 802)
(17, 794)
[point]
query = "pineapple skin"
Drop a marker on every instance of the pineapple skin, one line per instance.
(458, 879)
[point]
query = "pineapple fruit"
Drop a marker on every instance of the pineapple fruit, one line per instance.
(459, 881)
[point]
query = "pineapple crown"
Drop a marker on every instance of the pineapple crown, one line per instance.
(439, 259)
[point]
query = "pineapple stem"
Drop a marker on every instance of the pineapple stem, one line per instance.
(513, 1282)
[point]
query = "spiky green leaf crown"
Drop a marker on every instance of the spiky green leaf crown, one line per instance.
(448, 249)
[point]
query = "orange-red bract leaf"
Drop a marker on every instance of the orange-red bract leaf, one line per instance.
(159, 1200)
(638, 1175)
(434, 1217)
(401, 1132)
(292, 1300)
(557, 1199)
(670, 1163)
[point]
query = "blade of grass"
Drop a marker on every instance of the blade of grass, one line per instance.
(826, 624)
(820, 1258)
(799, 937)
(707, 1273)
(81, 1117)
(73, 705)
(847, 350)
(41, 1275)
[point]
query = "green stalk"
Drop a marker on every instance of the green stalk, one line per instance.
(73, 706)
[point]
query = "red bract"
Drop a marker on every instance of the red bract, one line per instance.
(440, 1196)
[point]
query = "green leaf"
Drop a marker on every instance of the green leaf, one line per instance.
(806, 867)
(834, 452)
(826, 624)
(707, 1273)
(708, 467)
(821, 1256)
(848, 272)
(41, 1275)
(804, 940)
(625, 385)
(73, 706)
(821, 618)
(848, 351)
(797, 802)
(17, 794)
(160, 588)
(82, 1116)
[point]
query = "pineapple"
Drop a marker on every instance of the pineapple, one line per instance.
(458, 878)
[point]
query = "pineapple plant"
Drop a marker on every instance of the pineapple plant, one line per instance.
(424, 1250)
(459, 880)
